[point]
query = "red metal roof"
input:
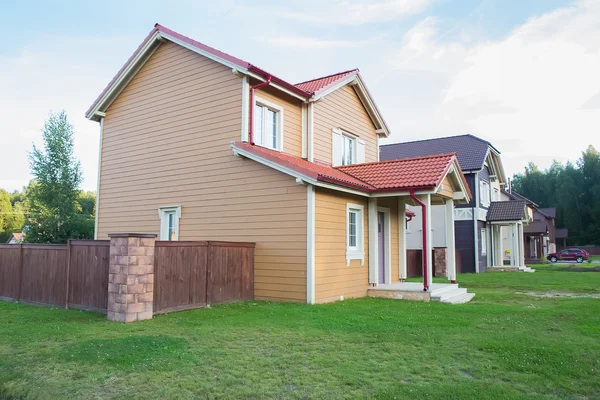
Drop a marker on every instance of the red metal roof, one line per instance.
(315, 170)
(413, 173)
(406, 173)
(319, 84)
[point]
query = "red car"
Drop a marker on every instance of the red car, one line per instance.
(569, 255)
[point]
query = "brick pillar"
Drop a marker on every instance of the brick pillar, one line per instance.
(130, 277)
(440, 256)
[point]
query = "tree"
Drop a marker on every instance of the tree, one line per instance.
(54, 212)
(573, 189)
(11, 218)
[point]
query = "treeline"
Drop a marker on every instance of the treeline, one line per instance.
(574, 189)
(15, 214)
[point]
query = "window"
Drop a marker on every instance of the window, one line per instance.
(484, 193)
(169, 222)
(354, 233)
(268, 125)
(346, 148)
(483, 242)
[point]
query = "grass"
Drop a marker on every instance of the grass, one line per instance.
(502, 345)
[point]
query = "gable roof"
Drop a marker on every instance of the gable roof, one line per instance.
(562, 233)
(419, 172)
(306, 91)
(318, 85)
(17, 236)
(516, 196)
(511, 210)
(470, 150)
(548, 212)
(422, 173)
(536, 227)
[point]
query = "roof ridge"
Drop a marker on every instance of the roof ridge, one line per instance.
(440, 138)
(398, 160)
(326, 76)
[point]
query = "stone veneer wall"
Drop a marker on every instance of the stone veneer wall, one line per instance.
(440, 260)
(131, 277)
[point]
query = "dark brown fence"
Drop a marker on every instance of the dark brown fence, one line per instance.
(73, 275)
(186, 274)
(194, 274)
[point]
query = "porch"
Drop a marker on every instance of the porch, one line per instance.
(507, 219)
(380, 248)
(442, 292)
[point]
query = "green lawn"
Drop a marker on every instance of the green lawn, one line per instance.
(502, 345)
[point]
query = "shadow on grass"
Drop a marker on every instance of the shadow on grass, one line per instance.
(130, 352)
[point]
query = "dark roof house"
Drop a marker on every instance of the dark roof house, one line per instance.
(470, 150)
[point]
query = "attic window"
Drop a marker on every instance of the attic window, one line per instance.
(268, 125)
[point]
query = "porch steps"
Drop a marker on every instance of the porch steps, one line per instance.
(526, 269)
(451, 294)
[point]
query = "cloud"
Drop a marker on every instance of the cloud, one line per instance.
(309, 42)
(533, 93)
(51, 75)
(353, 12)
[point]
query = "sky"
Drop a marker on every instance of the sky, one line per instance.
(522, 74)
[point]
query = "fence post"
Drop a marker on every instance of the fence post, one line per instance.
(131, 277)
(208, 269)
(20, 272)
(68, 273)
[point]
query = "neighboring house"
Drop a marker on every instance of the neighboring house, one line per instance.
(16, 238)
(197, 144)
(478, 230)
(539, 236)
(562, 234)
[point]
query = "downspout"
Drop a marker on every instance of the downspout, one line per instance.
(424, 221)
(251, 127)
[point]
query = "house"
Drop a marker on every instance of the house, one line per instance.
(540, 235)
(480, 224)
(16, 238)
(562, 234)
(197, 144)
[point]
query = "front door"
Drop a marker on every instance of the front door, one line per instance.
(381, 240)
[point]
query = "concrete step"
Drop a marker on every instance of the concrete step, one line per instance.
(445, 289)
(453, 295)
(463, 298)
(449, 295)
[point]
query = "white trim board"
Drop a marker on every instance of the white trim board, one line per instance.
(310, 244)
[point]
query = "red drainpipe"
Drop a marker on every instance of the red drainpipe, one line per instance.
(251, 127)
(425, 255)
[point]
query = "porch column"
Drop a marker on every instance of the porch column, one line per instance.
(427, 200)
(512, 245)
(450, 241)
(520, 240)
(373, 242)
(401, 239)
(499, 247)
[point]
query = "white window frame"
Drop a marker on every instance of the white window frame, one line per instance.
(352, 139)
(163, 214)
(279, 114)
(483, 241)
(357, 252)
(484, 192)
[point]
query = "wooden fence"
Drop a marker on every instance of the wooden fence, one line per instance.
(72, 275)
(75, 275)
(193, 274)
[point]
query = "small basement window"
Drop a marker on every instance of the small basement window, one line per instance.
(354, 233)
(268, 125)
(169, 222)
